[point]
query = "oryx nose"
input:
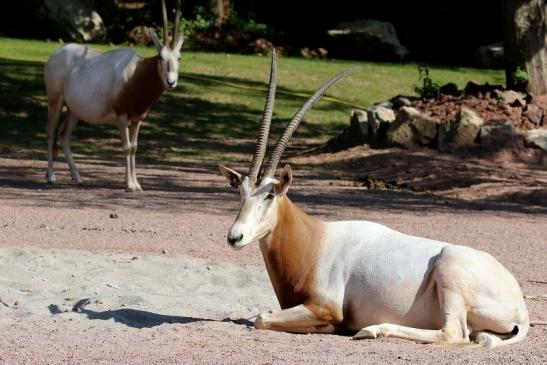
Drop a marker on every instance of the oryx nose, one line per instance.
(232, 240)
(171, 83)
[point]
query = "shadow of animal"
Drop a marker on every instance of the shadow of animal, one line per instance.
(138, 318)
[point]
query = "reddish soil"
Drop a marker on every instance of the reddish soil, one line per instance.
(525, 115)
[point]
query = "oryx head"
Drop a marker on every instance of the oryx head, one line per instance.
(168, 54)
(261, 192)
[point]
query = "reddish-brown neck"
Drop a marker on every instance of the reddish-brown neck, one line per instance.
(291, 252)
(141, 90)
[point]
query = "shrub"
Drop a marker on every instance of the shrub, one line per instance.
(201, 32)
(427, 88)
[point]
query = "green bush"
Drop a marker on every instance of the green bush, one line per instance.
(202, 33)
(521, 79)
(427, 88)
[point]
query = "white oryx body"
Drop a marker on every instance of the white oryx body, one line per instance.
(384, 276)
(362, 276)
(108, 87)
(104, 75)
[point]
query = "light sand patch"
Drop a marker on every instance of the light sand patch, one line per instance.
(144, 291)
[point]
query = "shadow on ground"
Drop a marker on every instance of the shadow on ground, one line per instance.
(185, 123)
(202, 189)
(138, 318)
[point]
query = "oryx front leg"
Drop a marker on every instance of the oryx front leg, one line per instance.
(134, 136)
(65, 135)
(297, 319)
(126, 145)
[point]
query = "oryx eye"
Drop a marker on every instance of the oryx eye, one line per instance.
(270, 196)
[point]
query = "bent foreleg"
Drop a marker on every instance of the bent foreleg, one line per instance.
(297, 319)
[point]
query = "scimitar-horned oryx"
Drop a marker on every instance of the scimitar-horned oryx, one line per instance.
(362, 276)
(108, 87)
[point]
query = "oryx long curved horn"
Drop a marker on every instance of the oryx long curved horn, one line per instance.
(262, 140)
(286, 136)
(176, 34)
(165, 30)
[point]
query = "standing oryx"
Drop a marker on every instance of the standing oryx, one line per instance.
(363, 276)
(111, 87)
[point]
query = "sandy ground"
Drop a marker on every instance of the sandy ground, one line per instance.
(94, 275)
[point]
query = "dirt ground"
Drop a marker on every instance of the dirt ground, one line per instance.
(188, 298)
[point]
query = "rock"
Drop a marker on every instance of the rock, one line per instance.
(401, 134)
(490, 56)
(74, 19)
(385, 104)
(540, 101)
(534, 113)
(536, 138)
(322, 52)
(411, 128)
(359, 129)
(262, 46)
(314, 53)
(476, 88)
(461, 131)
(450, 89)
(510, 97)
(379, 118)
(473, 87)
(497, 133)
(366, 39)
(139, 35)
(400, 101)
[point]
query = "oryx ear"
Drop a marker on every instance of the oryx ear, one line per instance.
(285, 180)
(233, 177)
(155, 39)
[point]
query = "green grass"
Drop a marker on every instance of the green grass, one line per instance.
(214, 112)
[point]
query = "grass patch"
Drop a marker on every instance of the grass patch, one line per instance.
(215, 110)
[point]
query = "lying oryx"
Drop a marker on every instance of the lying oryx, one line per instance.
(111, 87)
(362, 276)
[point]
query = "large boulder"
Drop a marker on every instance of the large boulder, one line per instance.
(358, 125)
(540, 106)
(73, 19)
(497, 133)
(366, 39)
(411, 128)
(510, 97)
(399, 101)
(378, 119)
(460, 131)
(536, 138)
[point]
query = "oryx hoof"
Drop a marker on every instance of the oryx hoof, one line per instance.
(261, 321)
(51, 180)
(369, 332)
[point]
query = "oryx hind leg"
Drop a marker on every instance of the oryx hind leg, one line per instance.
(453, 331)
(53, 117)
